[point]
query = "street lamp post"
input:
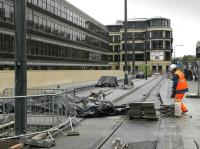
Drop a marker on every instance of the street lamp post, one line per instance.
(119, 59)
(125, 39)
(133, 56)
(20, 67)
(145, 54)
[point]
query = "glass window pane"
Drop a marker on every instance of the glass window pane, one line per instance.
(1, 5)
(44, 4)
(35, 2)
(7, 10)
(40, 3)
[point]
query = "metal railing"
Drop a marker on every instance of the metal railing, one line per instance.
(44, 112)
(31, 91)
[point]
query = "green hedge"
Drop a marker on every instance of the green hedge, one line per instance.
(141, 68)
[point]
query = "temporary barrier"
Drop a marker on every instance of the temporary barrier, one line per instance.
(44, 112)
(30, 91)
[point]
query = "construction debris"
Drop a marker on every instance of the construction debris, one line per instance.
(107, 81)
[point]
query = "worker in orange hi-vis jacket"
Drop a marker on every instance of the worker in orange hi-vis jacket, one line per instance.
(180, 86)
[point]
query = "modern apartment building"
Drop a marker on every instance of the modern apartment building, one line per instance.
(198, 51)
(151, 37)
(59, 36)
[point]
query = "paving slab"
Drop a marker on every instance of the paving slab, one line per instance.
(92, 132)
(181, 132)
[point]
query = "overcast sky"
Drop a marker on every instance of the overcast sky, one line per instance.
(184, 16)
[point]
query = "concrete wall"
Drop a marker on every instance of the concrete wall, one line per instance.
(44, 78)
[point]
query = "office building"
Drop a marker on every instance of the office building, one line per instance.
(59, 36)
(151, 37)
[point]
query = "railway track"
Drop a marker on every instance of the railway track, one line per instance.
(143, 99)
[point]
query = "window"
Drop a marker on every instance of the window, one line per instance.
(56, 29)
(40, 27)
(157, 34)
(56, 8)
(52, 27)
(52, 6)
(30, 17)
(35, 2)
(167, 34)
(139, 24)
(44, 4)
(44, 24)
(70, 15)
(48, 5)
(66, 13)
(129, 46)
(167, 44)
(167, 56)
(7, 10)
(138, 35)
(156, 23)
(1, 11)
(48, 26)
(36, 22)
(40, 3)
(59, 10)
(139, 46)
(62, 12)
(59, 29)
(157, 44)
(62, 31)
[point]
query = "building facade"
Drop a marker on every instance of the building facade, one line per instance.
(151, 37)
(198, 51)
(59, 36)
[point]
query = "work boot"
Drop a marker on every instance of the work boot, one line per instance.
(183, 112)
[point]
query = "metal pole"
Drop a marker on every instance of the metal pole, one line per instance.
(125, 36)
(119, 59)
(146, 56)
(20, 67)
(174, 53)
(133, 56)
(198, 63)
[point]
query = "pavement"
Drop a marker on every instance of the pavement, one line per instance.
(180, 133)
(169, 132)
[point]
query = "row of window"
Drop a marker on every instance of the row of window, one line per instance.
(49, 26)
(7, 14)
(153, 44)
(138, 57)
(36, 48)
(141, 35)
(30, 67)
(141, 25)
(149, 35)
(67, 13)
(54, 7)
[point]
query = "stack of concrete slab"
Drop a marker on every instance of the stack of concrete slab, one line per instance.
(135, 110)
(149, 110)
(142, 110)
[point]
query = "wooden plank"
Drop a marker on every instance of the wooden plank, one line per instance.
(17, 146)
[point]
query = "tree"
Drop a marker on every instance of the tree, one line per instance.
(189, 58)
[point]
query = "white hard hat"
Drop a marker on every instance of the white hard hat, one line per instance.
(172, 66)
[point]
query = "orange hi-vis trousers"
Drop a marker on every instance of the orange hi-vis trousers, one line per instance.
(179, 98)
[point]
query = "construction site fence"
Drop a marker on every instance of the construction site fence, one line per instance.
(43, 112)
